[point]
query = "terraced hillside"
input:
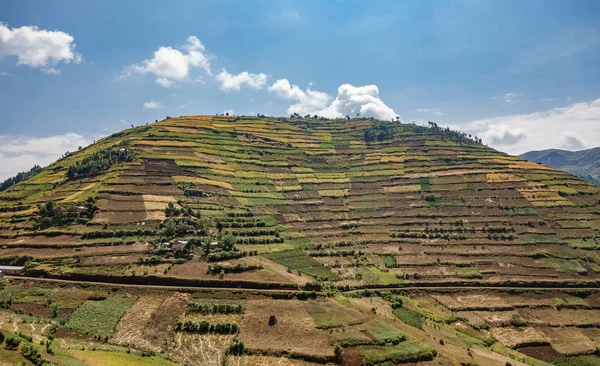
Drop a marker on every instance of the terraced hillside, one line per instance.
(364, 212)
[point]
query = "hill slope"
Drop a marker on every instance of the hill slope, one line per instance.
(310, 195)
(347, 240)
(584, 163)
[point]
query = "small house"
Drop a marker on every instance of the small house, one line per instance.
(12, 270)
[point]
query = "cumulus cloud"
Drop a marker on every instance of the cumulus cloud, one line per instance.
(231, 82)
(20, 153)
(308, 101)
(504, 135)
(153, 105)
(541, 130)
(572, 141)
(38, 48)
(170, 65)
(352, 100)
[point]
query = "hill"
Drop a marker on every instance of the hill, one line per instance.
(327, 240)
(583, 163)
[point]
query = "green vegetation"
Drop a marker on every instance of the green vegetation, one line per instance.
(328, 316)
(214, 308)
(409, 317)
(297, 259)
(109, 358)
(99, 318)
(53, 214)
(584, 360)
(22, 176)
(32, 353)
(379, 131)
(99, 162)
(205, 327)
(404, 352)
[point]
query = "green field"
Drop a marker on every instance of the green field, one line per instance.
(99, 318)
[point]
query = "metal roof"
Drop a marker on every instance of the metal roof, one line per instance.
(11, 268)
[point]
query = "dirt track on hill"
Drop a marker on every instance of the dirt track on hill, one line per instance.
(399, 287)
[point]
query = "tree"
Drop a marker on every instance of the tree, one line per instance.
(229, 242)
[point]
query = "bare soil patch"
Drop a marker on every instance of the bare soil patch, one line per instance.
(292, 318)
(159, 328)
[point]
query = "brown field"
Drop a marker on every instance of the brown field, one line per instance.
(569, 341)
(159, 329)
(292, 318)
(515, 337)
(130, 329)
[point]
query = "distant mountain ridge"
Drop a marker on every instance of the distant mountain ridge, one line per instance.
(583, 163)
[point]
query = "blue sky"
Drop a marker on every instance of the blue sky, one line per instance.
(505, 70)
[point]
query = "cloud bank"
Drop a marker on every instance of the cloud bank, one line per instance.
(38, 48)
(574, 127)
(21, 153)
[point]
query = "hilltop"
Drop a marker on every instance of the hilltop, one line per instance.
(583, 163)
(336, 216)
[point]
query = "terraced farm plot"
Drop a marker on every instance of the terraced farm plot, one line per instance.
(292, 318)
(107, 358)
(297, 259)
(99, 317)
(327, 314)
(404, 352)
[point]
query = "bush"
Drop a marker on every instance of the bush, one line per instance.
(12, 342)
(32, 353)
(236, 348)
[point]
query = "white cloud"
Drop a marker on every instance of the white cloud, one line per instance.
(545, 100)
(430, 110)
(231, 82)
(309, 101)
(572, 141)
(351, 100)
(503, 135)
(38, 48)
(20, 153)
(364, 100)
(509, 98)
(153, 105)
(541, 130)
(170, 65)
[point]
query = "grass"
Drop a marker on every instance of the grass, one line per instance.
(389, 260)
(297, 259)
(425, 184)
(519, 211)
(383, 331)
(404, 352)
(410, 317)
(329, 315)
(108, 358)
(584, 360)
(99, 318)
(468, 272)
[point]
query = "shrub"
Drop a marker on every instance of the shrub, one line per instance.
(12, 342)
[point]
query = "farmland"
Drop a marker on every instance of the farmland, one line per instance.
(333, 235)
